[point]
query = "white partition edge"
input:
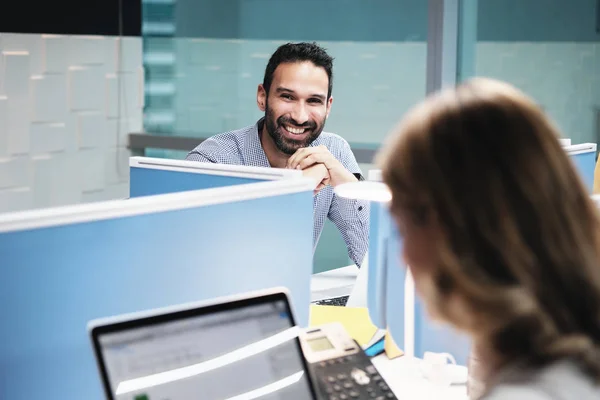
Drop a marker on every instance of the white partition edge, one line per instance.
(374, 175)
(565, 142)
(239, 171)
(580, 148)
(65, 215)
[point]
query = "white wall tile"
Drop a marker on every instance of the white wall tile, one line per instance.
(30, 43)
(92, 130)
(55, 53)
(120, 129)
(56, 180)
(110, 192)
(71, 136)
(2, 76)
(3, 126)
(117, 191)
(86, 50)
(54, 130)
(14, 172)
(91, 162)
(16, 88)
(47, 137)
(111, 101)
(131, 98)
(130, 93)
(15, 199)
(111, 54)
(131, 51)
(117, 166)
(49, 98)
(85, 88)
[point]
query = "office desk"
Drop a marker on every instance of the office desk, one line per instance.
(333, 283)
(403, 375)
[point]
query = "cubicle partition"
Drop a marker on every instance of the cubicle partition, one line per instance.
(380, 228)
(391, 299)
(584, 158)
(63, 267)
(151, 176)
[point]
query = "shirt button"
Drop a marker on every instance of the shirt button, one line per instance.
(359, 208)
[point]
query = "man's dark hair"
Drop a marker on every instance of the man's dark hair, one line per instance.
(299, 52)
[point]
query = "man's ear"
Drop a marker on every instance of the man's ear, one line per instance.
(329, 101)
(261, 97)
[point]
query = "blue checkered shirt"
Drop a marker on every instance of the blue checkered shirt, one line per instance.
(243, 147)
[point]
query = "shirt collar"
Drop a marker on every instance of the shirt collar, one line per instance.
(252, 149)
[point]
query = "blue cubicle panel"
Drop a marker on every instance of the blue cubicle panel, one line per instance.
(379, 232)
(152, 176)
(396, 296)
(388, 298)
(64, 267)
(584, 159)
(437, 337)
(425, 334)
(149, 182)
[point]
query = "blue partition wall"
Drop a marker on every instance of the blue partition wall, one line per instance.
(55, 279)
(379, 234)
(148, 182)
(586, 164)
(387, 294)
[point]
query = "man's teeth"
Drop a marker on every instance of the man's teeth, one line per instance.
(295, 131)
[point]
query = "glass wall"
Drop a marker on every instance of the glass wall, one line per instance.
(548, 48)
(204, 59)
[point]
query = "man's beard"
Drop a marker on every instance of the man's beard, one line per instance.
(284, 144)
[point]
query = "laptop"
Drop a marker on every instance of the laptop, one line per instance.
(345, 286)
(235, 348)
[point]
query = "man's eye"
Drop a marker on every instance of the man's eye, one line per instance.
(286, 96)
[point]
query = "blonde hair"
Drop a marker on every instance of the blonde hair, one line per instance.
(519, 235)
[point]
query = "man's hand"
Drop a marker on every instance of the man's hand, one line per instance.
(320, 174)
(309, 156)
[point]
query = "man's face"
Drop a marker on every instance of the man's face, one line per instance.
(296, 106)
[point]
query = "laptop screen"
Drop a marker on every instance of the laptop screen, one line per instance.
(233, 351)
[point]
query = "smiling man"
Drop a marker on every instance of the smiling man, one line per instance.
(296, 98)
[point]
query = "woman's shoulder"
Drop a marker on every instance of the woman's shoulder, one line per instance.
(562, 380)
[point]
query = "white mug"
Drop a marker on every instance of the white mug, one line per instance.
(435, 367)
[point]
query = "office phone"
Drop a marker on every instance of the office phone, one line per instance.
(339, 367)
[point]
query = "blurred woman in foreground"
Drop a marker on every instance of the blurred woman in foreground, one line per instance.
(501, 237)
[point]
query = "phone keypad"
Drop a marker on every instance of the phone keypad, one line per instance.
(351, 377)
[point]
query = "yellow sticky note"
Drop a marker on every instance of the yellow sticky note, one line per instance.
(355, 320)
(391, 348)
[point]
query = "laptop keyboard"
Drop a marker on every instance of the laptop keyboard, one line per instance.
(334, 301)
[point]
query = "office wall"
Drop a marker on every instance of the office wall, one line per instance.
(376, 83)
(549, 48)
(563, 77)
(66, 106)
(215, 87)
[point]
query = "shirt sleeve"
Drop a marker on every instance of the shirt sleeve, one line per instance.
(202, 152)
(350, 216)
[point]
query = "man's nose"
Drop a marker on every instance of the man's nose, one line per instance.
(300, 114)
